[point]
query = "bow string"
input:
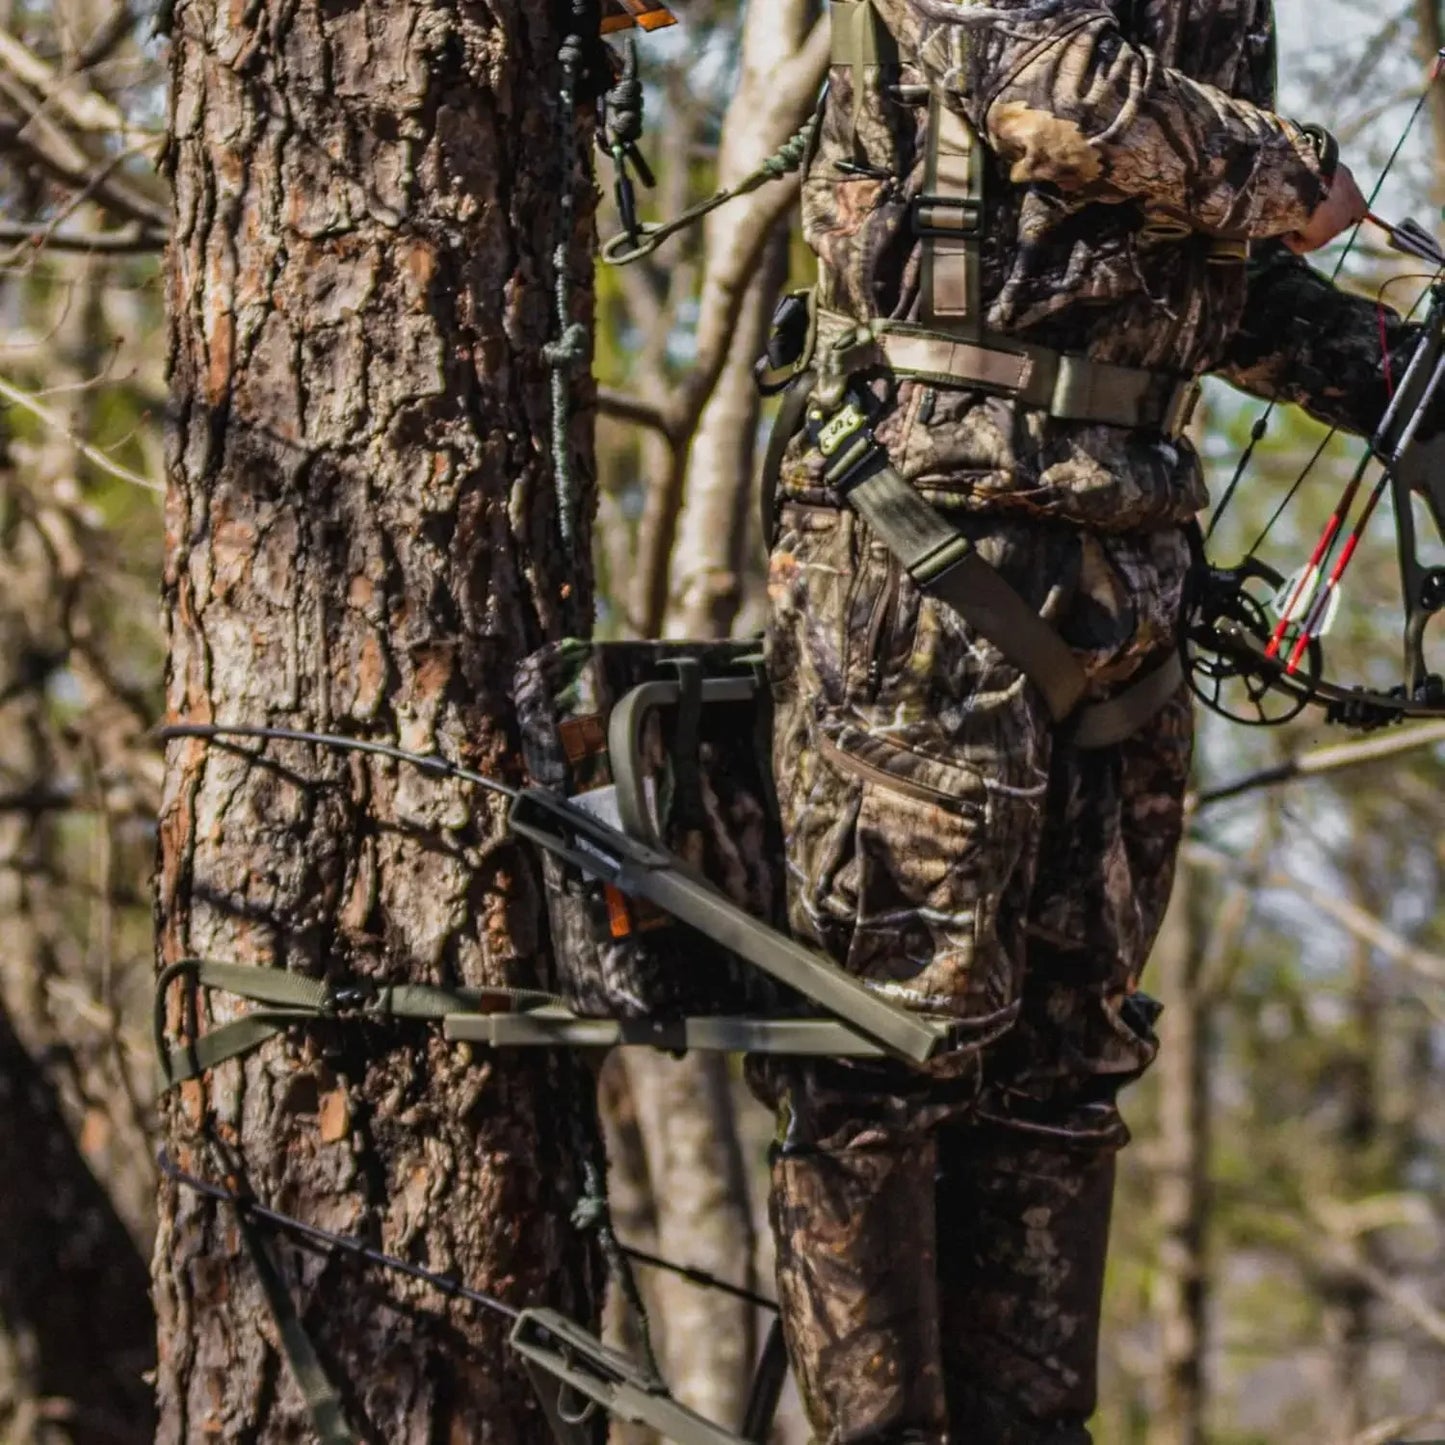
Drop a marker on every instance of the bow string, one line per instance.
(1253, 637)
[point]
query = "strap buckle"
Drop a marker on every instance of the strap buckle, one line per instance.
(844, 435)
(947, 216)
(354, 996)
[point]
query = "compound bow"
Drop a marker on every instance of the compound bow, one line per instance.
(1253, 638)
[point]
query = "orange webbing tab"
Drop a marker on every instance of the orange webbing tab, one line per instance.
(624, 14)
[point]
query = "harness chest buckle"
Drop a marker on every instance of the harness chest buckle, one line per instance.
(945, 216)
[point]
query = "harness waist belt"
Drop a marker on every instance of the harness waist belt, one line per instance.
(1072, 388)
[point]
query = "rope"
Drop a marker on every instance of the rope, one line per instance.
(592, 1214)
(624, 105)
(623, 249)
(571, 344)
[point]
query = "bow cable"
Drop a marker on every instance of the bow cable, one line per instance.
(1261, 424)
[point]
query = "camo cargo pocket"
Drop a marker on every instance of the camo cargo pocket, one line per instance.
(910, 763)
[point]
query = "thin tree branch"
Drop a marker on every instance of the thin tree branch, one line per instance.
(36, 137)
(622, 406)
(107, 36)
(1393, 1429)
(1323, 760)
(80, 106)
(131, 240)
(1415, 1308)
(725, 283)
(26, 402)
(1357, 921)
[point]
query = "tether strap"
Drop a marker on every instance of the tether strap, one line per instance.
(860, 43)
(291, 998)
(323, 1399)
(1068, 387)
(943, 563)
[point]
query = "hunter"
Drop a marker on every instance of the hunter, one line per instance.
(1037, 225)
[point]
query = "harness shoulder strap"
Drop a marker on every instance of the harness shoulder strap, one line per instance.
(948, 216)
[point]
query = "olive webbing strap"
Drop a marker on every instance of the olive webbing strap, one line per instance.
(860, 42)
(323, 1399)
(944, 564)
(292, 998)
(948, 213)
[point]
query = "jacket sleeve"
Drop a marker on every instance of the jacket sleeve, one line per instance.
(1304, 340)
(1067, 101)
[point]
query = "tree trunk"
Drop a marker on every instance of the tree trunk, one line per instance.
(716, 520)
(362, 537)
(699, 1189)
(1181, 1199)
(69, 1372)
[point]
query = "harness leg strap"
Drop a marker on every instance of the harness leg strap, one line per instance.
(943, 563)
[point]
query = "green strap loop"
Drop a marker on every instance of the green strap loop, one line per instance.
(291, 998)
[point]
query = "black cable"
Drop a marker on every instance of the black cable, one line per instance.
(427, 762)
(699, 1277)
(1261, 424)
(314, 1234)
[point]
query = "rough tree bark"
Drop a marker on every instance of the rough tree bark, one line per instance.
(362, 537)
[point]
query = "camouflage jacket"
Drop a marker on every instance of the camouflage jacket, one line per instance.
(1101, 121)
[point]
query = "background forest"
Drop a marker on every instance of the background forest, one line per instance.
(1277, 1273)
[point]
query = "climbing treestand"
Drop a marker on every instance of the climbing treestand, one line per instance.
(651, 808)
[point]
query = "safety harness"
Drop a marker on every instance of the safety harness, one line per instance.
(945, 564)
(820, 364)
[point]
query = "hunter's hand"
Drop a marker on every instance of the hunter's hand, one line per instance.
(1340, 209)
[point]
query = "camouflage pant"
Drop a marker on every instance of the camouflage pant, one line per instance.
(941, 1234)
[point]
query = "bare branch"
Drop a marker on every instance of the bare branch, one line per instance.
(37, 137)
(1415, 1308)
(131, 240)
(1358, 922)
(1324, 760)
(622, 406)
(80, 107)
(1396, 1428)
(107, 36)
(26, 402)
(730, 268)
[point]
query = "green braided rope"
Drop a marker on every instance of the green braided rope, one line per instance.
(622, 249)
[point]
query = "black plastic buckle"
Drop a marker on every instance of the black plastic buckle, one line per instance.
(787, 347)
(351, 997)
(928, 214)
